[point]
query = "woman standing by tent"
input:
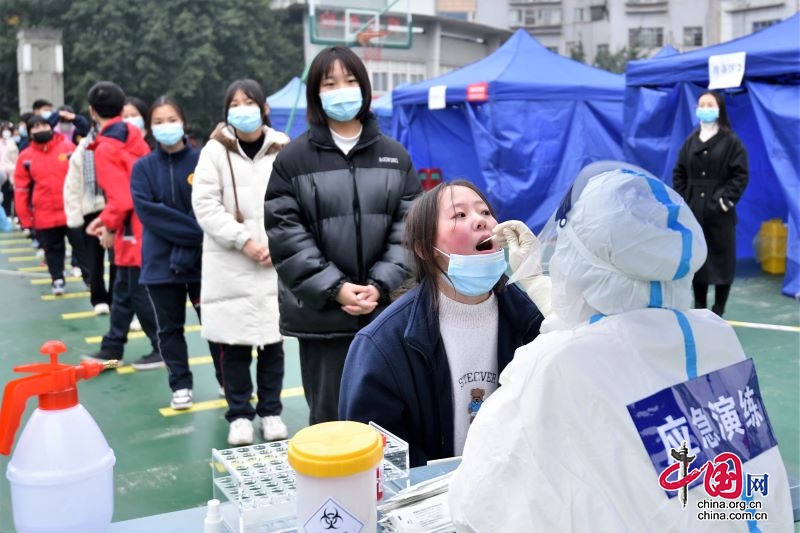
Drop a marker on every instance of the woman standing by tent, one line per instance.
(711, 175)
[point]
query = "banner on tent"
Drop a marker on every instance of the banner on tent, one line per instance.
(726, 71)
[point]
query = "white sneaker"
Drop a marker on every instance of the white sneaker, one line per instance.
(76, 272)
(101, 309)
(240, 432)
(57, 287)
(135, 324)
(181, 399)
(273, 428)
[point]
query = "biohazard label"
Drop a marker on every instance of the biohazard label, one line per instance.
(331, 517)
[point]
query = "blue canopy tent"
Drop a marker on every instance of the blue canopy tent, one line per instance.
(281, 104)
(666, 51)
(537, 120)
(382, 107)
(660, 99)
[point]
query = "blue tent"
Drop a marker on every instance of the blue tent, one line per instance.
(660, 99)
(280, 107)
(544, 117)
(666, 51)
(382, 107)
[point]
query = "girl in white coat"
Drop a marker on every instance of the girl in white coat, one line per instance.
(239, 295)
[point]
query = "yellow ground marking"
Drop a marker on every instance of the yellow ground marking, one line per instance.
(222, 404)
(46, 281)
(65, 296)
(9, 251)
(756, 325)
(88, 314)
(23, 258)
(193, 361)
(138, 334)
(76, 316)
(7, 242)
(33, 269)
(10, 235)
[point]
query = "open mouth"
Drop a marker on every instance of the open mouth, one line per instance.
(485, 246)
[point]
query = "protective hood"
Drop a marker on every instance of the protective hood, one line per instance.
(627, 242)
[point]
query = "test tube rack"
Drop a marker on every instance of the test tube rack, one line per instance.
(256, 485)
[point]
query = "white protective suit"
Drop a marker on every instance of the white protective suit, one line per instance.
(555, 448)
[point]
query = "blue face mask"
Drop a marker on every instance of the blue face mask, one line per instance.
(168, 134)
(474, 275)
(342, 104)
(136, 121)
(707, 115)
(23, 133)
(46, 114)
(245, 118)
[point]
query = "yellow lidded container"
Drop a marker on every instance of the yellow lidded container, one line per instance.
(335, 449)
(773, 235)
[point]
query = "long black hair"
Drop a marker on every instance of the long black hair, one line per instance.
(723, 121)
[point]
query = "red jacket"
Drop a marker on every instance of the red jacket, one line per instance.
(116, 148)
(39, 183)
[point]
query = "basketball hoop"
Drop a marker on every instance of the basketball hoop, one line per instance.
(371, 41)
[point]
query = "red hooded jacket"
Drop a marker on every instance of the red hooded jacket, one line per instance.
(116, 148)
(39, 183)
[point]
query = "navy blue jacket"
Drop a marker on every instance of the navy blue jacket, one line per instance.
(161, 186)
(396, 372)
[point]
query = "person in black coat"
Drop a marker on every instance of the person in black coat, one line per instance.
(333, 213)
(711, 174)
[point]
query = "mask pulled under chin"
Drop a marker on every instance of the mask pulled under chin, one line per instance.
(474, 275)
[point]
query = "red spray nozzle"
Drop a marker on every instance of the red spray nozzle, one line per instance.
(53, 382)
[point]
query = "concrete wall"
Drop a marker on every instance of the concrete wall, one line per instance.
(40, 63)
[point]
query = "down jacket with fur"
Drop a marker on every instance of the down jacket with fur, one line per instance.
(239, 297)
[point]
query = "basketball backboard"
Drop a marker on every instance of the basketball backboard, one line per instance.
(381, 23)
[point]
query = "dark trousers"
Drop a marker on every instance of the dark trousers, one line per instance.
(129, 298)
(8, 198)
(94, 258)
(321, 364)
(52, 242)
(168, 302)
(236, 361)
(721, 293)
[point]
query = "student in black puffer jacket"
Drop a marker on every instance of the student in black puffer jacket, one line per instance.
(334, 213)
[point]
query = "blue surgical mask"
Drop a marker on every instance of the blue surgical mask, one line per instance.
(342, 104)
(168, 134)
(245, 118)
(474, 275)
(46, 114)
(23, 132)
(707, 115)
(136, 121)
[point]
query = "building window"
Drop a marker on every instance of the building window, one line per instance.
(398, 78)
(693, 36)
(602, 49)
(597, 12)
(761, 24)
(380, 81)
(645, 37)
(515, 17)
(548, 16)
(578, 14)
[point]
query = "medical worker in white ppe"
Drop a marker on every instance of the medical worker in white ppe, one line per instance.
(556, 447)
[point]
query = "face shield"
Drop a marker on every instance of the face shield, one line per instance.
(549, 234)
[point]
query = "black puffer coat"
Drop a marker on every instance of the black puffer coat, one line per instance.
(705, 173)
(332, 219)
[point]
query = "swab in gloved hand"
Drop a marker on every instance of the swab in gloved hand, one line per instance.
(524, 260)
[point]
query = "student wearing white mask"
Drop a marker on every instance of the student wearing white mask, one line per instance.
(334, 214)
(239, 285)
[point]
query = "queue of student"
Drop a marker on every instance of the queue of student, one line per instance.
(400, 300)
